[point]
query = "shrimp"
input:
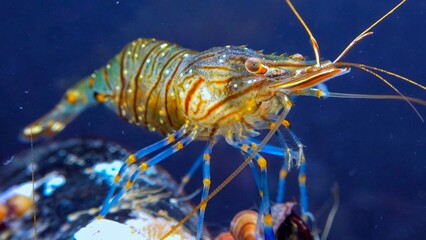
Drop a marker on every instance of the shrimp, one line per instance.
(229, 92)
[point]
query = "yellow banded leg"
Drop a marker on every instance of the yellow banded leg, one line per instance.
(143, 166)
(266, 219)
(206, 184)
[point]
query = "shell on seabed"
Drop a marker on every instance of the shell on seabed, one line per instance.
(243, 225)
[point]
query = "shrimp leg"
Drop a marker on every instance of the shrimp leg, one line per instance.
(185, 179)
(206, 184)
(266, 219)
(109, 203)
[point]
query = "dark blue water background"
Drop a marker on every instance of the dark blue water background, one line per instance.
(375, 150)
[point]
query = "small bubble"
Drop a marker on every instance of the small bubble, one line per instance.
(118, 2)
(21, 108)
(27, 91)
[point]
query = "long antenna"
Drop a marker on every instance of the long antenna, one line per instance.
(366, 32)
(311, 36)
(365, 69)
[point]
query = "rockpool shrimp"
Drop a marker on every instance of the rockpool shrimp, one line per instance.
(224, 92)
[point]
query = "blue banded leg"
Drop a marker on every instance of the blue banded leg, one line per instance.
(255, 175)
(251, 163)
(302, 189)
(252, 166)
(143, 167)
(185, 179)
(206, 184)
(265, 203)
(301, 163)
(284, 167)
(259, 184)
(138, 156)
(283, 151)
(271, 149)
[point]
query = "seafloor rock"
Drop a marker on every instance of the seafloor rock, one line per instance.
(72, 179)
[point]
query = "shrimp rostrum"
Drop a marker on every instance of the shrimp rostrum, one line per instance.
(224, 92)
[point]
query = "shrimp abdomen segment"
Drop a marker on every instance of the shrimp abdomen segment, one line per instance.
(137, 84)
(142, 78)
(74, 101)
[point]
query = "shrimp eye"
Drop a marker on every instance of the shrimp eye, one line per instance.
(254, 65)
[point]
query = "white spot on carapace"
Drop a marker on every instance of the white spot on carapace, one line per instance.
(163, 45)
(205, 94)
(167, 71)
(235, 85)
(249, 81)
(108, 66)
(190, 71)
(129, 52)
(227, 46)
(148, 60)
(125, 72)
(143, 45)
(163, 54)
(93, 75)
(186, 55)
(220, 60)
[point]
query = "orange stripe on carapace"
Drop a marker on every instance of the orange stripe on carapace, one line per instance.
(227, 116)
(233, 96)
(198, 107)
(191, 93)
